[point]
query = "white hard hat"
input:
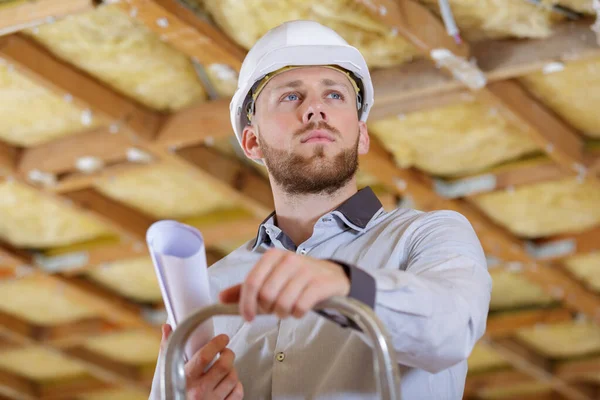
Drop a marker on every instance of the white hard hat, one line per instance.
(297, 43)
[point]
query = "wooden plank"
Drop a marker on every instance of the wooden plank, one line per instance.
(27, 334)
(130, 222)
(561, 142)
(63, 79)
(72, 388)
(498, 59)
(506, 323)
(252, 190)
(565, 245)
(108, 306)
(9, 156)
(527, 361)
(415, 22)
(61, 155)
(507, 58)
(108, 370)
(71, 334)
(17, 387)
(196, 124)
(27, 14)
(571, 371)
(419, 103)
(186, 32)
(496, 240)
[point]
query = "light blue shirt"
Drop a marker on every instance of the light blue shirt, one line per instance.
(427, 279)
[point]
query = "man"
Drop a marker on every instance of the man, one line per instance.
(301, 108)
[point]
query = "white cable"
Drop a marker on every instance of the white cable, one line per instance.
(448, 18)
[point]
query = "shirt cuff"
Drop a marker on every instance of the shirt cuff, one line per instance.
(362, 284)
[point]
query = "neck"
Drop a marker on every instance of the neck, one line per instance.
(297, 214)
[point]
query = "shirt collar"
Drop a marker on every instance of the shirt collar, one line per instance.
(356, 212)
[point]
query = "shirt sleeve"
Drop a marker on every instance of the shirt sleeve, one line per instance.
(436, 309)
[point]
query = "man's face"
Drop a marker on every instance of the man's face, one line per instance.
(306, 129)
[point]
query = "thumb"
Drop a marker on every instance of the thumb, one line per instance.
(231, 295)
(166, 332)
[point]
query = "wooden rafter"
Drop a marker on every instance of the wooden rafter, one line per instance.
(426, 32)
(498, 59)
(16, 387)
(26, 14)
(509, 177)
(62, 155)
(566, 245)
(96, 365)
(180, 27)
(525, 360)
(505, 324)
(63, 79)
(9, 158)
(106, 305)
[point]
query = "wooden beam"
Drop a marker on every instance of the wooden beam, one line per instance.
(107, 369)
(566, 245)
(125, 219)
(197, 124)
(108, 306)
(498, 59)
(9, 156)
(537, 367)
(62, 155)
(252, 189)
(63, 79)
(71, 334)
(561, 142)
(17, 387)
(506, 323)
(496, 240)
(98, 366)
(72, 388)
(413, 21)
(571, 371)
(26, 14)
(179, 26)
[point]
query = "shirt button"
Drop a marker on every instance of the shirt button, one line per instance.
(302, 251)
(280, 356)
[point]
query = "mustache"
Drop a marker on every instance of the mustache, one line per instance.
(317, 125)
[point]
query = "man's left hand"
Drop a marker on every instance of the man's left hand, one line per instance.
(288, 284)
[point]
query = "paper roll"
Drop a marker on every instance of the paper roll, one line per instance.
(179, 259)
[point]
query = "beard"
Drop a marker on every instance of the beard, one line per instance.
(315, 174)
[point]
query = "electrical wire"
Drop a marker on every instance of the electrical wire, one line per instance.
(557, 8)
(449, 22)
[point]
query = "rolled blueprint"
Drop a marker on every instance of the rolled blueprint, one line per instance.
(179, 259)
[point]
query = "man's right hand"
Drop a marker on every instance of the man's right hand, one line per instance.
(220, 381)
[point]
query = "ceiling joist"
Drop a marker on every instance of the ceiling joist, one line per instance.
(27, 14)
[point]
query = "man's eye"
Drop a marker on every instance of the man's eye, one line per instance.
(336, 96)
(291, 97)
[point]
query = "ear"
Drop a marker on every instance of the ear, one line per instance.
(363, 138)
(250, 143)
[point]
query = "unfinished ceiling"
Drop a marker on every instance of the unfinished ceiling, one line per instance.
(115, 114)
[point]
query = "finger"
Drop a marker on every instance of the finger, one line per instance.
(290, 294)
(202, 358)
(226, 386)
(237, 393)
(219, 370)
(313, 293)
(166, 332)
(276, 281)
(231, 294)
(254, 281)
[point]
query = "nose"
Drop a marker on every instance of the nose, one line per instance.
(314, 112)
